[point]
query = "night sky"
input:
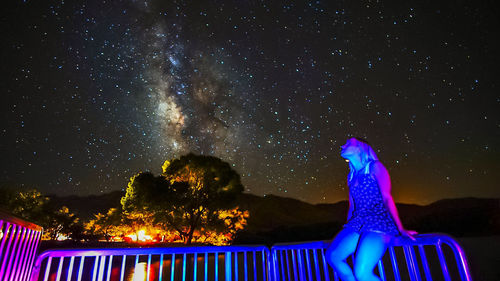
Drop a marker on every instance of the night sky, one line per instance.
(94, 92)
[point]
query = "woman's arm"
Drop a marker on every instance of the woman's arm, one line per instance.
(384, 182)
(351, 208)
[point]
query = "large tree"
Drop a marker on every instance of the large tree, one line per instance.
(190, 195)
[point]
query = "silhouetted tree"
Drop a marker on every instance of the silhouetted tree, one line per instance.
(190, 195)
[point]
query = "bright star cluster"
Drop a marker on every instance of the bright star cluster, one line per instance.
(96, 91)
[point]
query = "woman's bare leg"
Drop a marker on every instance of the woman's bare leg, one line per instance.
(342, 246)
(371, 248)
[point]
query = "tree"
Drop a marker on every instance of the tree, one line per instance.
(27, 204)
(140, 200)
(106, 225)
(33, 206)
(61, 223)
(188, 196)
(230, 222)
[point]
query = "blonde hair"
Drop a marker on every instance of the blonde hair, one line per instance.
(367, 155)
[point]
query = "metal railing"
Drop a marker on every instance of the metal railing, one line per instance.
(438, 256)
(149, 264)
(19, 241)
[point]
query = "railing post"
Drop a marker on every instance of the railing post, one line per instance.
(302, 275)
(228, 266)
(37, 266)
(274, 264)
(10, 235)
(20, 261)
(5, 234)
(442, 261)
(460, 257)
(411, 263)
(425, 263)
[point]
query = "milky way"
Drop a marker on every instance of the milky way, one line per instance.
(97, 92)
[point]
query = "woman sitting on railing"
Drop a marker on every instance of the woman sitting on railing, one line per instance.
(372, 218)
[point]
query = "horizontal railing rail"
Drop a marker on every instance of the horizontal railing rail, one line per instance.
(19, 241)
(431, 253)
(175, 263)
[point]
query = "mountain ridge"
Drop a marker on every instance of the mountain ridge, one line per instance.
(279, 219)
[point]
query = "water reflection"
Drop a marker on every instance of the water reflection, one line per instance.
(139, 272)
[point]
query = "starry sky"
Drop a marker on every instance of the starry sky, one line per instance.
(94, 92)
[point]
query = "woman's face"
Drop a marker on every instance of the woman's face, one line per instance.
(349, 148)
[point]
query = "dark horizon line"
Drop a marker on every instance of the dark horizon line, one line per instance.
(301, 200)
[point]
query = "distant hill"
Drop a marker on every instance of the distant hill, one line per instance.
(269, 212)
(277, 219)
(280, 219)
(86, 206)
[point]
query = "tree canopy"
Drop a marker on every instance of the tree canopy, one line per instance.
(192, 194)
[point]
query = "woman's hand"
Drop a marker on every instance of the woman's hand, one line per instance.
(408, 233)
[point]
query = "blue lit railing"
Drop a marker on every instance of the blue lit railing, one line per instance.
(429, 257)
(18, 244)
(176, 263)
(437, 255)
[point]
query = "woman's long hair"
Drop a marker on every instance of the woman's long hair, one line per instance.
(367, 155)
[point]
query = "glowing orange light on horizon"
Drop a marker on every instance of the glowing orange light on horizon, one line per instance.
(141, 236)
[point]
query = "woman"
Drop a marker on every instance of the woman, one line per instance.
(372, 219)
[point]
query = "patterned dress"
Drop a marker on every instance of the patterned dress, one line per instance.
(370, 212)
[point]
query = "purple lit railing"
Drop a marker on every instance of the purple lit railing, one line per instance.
(18, 244)
(431, 253)
(176, 263)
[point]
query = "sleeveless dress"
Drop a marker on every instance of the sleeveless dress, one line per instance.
(370, 212)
